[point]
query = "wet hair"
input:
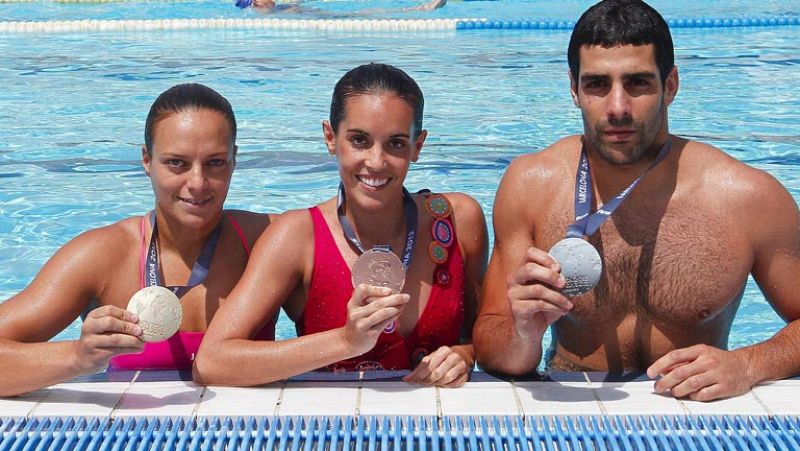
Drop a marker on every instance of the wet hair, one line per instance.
(376, 78)
(622, 22)
(188, 96)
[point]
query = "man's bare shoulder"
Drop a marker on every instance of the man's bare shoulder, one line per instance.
(720, 174)
(547, 165)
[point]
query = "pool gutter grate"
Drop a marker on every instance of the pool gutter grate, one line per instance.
(402, 433)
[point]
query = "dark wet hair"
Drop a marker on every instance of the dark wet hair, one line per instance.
(375, 78)
(185, 97)
(622, 22)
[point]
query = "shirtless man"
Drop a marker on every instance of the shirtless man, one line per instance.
(676, 253)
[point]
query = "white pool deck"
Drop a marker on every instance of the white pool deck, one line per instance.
(351, 394)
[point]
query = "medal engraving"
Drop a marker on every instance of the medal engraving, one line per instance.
(159, 312)
(580, 263)
(379, 268)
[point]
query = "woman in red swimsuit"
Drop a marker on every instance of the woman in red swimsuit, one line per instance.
(304, 262)
(189, 155)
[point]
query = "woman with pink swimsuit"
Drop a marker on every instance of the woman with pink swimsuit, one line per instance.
(189, 154)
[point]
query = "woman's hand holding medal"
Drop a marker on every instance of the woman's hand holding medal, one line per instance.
(369, 311)
(106, 332)
(534, 291)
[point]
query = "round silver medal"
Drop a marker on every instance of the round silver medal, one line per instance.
(580, 263)
(159, 312)
(379, 268)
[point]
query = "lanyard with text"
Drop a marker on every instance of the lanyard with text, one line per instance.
(411, 226)
(199, 270)
(585, 223)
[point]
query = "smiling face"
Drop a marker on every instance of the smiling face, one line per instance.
(374, 144)
(623, 101)
(190, 166)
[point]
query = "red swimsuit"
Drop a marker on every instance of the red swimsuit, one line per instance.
(326, 307)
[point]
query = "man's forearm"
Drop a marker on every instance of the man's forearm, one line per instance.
(776, 358)
(500, 350)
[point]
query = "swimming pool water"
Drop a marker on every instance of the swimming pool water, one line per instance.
(72, 110)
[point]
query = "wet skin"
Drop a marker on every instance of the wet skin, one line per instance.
(677, 252)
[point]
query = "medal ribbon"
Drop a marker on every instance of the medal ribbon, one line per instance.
(411, 226)
(585, 223)
(199, 269)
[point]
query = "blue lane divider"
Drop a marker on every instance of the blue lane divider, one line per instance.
(726, 22)
(697, 432)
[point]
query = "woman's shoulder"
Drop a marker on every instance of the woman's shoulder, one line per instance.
(461, 205)
(469, 223)
(291, 225)
(464, 204)
(116, 236)
(464, 211)
(100, 248)
(252, 224)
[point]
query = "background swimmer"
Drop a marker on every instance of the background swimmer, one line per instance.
(270, 6)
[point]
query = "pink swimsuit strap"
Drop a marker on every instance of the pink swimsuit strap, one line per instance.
(238, 229)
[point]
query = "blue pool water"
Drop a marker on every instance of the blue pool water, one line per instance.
(72, 108)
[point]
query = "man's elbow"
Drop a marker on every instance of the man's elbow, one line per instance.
(486, 347)
(497, 354)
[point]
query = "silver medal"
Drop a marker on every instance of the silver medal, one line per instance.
(379, 268)
(159, 312)
(580, 263)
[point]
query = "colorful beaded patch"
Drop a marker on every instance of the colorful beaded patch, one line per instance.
(390, 328)
(369, 365)
(442, 277)
(437, 252)
(438, 206)
(443, 232)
